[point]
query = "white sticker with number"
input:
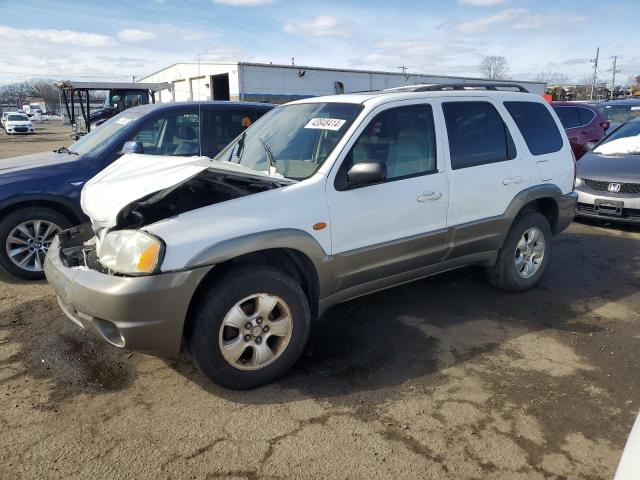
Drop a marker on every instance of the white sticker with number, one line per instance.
(325, 123)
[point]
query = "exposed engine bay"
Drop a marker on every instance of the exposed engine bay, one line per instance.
(206, 188)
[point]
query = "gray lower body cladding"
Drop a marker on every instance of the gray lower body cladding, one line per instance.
(148, 313)
(137, 313)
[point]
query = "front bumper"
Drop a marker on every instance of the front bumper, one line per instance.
(137, 313)
(587, 199)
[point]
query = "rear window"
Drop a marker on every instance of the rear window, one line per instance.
(477, 134)
(568, 116)
(586, 116)
(537, 126)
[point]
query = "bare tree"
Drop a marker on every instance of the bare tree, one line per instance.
(494, 67)
(552, 78)
(44, 89)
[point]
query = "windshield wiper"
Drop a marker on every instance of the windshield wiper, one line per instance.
(270, 157)
(66, 150)
(240, 149)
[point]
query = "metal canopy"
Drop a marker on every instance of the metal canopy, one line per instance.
(71, 89)
(68, 85)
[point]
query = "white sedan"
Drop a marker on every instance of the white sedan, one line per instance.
(18, 123)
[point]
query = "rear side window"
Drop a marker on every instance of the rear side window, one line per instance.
(477, 134)
(223, 125)
(537, 126)
(586, 116)
(568, 116)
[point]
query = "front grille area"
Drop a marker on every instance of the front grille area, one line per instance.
(20, 129)
(625, 188)
(588, 209)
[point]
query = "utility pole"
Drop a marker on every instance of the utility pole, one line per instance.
(595, 72)
(404, 69)
(613, 75)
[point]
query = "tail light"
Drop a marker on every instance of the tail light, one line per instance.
(605, 125)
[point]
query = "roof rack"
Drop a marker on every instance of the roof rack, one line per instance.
(436, 87)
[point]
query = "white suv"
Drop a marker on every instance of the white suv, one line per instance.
(321, 201)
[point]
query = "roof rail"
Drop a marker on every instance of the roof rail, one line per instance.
(436, 87)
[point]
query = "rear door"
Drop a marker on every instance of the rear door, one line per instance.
(487, 169)
(570, 119)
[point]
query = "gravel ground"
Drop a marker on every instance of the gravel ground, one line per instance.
(441, 378)
(48, 136)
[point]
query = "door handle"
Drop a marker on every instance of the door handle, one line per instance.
(510, 180)
(429, 196)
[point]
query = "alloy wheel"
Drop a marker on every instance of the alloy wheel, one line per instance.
(28, 243)
(529, 252)
(255, 331)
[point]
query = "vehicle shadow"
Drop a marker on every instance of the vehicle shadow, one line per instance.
(371, 345)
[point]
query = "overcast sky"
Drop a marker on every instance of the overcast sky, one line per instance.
(115, 39)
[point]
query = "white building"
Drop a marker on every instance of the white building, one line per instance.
(265, 82)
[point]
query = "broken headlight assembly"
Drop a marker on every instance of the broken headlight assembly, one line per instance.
(131, 252)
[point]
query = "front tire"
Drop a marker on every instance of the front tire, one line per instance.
(250, 328)
(524, 255)
(25, 237)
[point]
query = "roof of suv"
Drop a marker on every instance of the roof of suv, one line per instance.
(219, 103)
(377, 97)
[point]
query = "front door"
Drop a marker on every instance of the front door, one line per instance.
(397, 225)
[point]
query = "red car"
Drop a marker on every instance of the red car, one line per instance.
(583, 124)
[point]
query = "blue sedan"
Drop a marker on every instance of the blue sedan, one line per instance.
(40, 193)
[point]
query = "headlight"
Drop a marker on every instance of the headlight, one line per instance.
(130, 252)
(578, 181)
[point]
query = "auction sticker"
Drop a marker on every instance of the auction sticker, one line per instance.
(325, 123)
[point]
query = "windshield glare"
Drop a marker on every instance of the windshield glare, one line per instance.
(628, 130)
(296, 138)
(100, 136)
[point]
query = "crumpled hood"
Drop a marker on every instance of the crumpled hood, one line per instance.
(42, 159)
(134, 176)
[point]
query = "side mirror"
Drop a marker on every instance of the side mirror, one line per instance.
(362, 174)
(132, 147)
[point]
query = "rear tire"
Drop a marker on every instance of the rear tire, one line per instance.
(524, 255)
(13, 240)
(225, 340)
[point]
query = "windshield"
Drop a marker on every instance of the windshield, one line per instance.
(621, 113)
(100, 136)
(293, 139)
(17, 118)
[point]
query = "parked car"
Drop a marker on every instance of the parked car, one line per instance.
(18, 123)
(583, 123)
(320, 201)
(40, 194)
(619, 111)
(608, 177)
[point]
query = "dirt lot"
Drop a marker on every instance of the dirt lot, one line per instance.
(442, 378)
(48, 136)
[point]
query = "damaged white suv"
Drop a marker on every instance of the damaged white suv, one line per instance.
(320, 201)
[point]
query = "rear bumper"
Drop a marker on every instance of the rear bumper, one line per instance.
(138, 313)
(566, 211)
